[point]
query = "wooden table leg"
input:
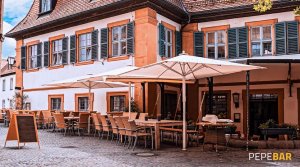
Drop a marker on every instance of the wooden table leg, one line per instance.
(157, 137)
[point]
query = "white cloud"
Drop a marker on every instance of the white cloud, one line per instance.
(14, 12)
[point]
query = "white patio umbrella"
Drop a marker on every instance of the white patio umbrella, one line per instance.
(184, 68)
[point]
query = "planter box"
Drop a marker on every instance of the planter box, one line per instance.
(277, 131)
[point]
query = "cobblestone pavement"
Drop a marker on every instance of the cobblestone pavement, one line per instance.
(57, 150)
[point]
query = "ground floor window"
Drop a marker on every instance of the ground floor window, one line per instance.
(83, 103)
(56, 104)
(221, 105)
(3, 103)
(116, 101)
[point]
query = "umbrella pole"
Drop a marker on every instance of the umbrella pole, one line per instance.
(129, 102)
(184, 136)
(90, 100)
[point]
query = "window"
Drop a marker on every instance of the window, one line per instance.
(168, 42)
(220, 105)
(11, 103)
(261, 40)
(83, 103)
(85, 47)
(216, 44)
(57, 52)
(117, 103)
(11, 84)
(33, 56)
(3, 103)
(119, 41)
(56, 104)
(3, 85)
(45, 6)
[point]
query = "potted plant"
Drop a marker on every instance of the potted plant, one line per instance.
(271, 128)
(134, 107)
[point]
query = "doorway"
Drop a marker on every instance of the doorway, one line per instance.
(170, 105)
(262, 108)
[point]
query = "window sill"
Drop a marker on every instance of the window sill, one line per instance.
(32, 70)
(84, 63)
(56, 67)
(110, 59)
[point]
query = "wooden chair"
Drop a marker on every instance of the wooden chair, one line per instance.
(66, 114)
(142, 116)
(106, 126)
(126, 114)
(121, 127)
(133, 115)
(60, 122)
(114, 127)
(83, 122)
(97, 125)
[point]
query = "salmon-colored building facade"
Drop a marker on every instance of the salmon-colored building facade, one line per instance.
(229, 31)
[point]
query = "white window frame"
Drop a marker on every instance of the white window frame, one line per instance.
(85, 45)
(11, 85)
(3, 85)
(216, 44)
(57, 52)
(261, 40)
(168, 43)
(33, 56)
(119, 41)
(46, 6)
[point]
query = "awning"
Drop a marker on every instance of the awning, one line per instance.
(294, 58)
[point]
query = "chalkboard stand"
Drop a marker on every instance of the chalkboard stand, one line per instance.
(23, 129)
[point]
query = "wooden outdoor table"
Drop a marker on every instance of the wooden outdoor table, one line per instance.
(157, 124)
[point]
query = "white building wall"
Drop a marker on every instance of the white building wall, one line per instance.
(8, 93)
(34, 80)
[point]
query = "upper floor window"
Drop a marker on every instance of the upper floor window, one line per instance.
(119, 41)
(168, 42)
(215, 45)
(33, 56)
(45, 6)
(11, 85)
(3, 85)
(261, 40)
(57, 52)
(85, 47)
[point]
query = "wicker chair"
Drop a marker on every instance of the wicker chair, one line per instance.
(97, 125)
(47, 119)
(83, 122)
(121, 127)
(114, 127)
(60, 122)
(106, 126)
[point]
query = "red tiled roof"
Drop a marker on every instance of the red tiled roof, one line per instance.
(5, 70)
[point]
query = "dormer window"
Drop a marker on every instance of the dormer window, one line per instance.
(45, 6)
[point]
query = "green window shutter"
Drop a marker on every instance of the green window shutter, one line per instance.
(162, 38)
(243, 42)
(23, 57)
(46, 54)
(39, 55)
(232, 43)
(130, 38)
(198, 44)
(292, 37)
(95, 48)
(280, 35)
(178, 40)
(73, 49)
(65, 50)
(104, 43)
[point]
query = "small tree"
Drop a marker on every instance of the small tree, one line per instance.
(134, 106)
(19, 100)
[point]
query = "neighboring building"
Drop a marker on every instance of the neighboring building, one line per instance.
(63, 39)
(7, 85)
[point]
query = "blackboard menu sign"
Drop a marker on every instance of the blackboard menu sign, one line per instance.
(26, 129)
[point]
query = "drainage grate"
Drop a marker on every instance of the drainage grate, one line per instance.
(145, 154)
(68, 147)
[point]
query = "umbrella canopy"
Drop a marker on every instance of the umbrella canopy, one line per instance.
(191, 67)
(184, 68)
